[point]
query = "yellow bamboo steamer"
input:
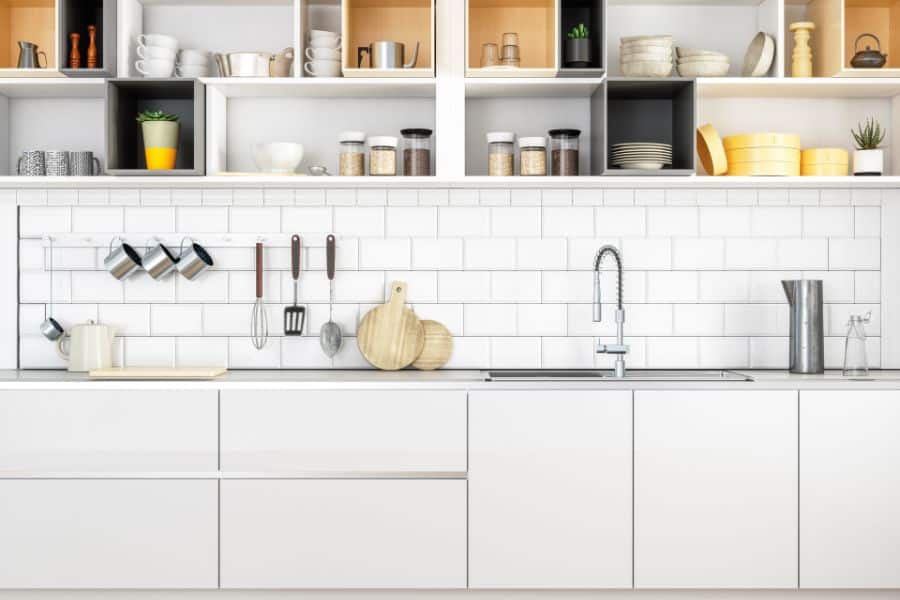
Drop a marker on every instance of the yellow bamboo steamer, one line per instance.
(767, 154)
(825, 156)
(761, 140)
(825, 170)
(711, 151)
(764, 168)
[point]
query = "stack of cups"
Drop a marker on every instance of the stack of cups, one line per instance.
(157, 55)
(509, 54)
(324, 54)
(192, 64)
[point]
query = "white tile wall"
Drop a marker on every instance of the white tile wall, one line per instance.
(508, 271)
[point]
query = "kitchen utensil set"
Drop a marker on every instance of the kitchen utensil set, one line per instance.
(646, 55)
(50, 328)
(295, 316)
(323, 54)
(259, 322)
(57, 163)
(641, 155)
(330, 336)
(123, 261)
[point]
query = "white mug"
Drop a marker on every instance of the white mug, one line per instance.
(323, 53)
(326, 42)
(157, 39)
(191, 71)
(193, 57)
(323, 68)
(318, 33)
(155, 67)
(151, 52)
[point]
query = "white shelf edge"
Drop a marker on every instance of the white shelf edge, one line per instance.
(233, 87)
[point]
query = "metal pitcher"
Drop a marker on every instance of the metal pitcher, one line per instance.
(29, 56)
(386, 55)
(807, 343)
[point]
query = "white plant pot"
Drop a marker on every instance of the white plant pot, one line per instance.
(868, 162)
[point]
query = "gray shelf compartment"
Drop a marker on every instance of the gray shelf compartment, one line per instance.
(593, 14)
(75, 16)
(125, 98)
(653, 110)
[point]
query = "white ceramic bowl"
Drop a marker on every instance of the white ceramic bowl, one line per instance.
(646, 47)
(191, 71)
(325, 42)
(193, 57)
(157, 39)
(646, 69)
(703, 59)
(280, 158)
(645, 38)
(643, 56)
(683, 52)
(759, 56)
(703, 69)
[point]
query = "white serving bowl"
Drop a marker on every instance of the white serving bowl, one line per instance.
(280, 158)
(703, 69)
(646, 69)
(643, 56)
(703, 59)
(645, 38)
(646, 47)
(683, 52)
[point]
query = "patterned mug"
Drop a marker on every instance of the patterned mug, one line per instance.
(83, 164)
(57, 163)
(32, 163)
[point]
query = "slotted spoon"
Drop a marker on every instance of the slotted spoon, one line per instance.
(330, 336)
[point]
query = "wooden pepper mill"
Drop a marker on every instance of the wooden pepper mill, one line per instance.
(92, 47)
(74, 52)
(801, 63)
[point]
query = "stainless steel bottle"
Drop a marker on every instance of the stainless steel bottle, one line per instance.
(807, 344)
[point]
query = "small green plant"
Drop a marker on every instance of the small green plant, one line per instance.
(868, 137)
(155, 115)
(579, 33)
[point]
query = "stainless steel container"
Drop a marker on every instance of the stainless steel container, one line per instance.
(807, 342)
(194, 260)
(386, 55)
(51, 329)
(122, 262)
(159, 261)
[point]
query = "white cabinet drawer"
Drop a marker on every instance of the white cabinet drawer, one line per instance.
(108, 534)
(123, 431)
(343, 432)
(343, 534)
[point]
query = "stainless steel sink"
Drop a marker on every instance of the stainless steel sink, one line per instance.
(602, 374)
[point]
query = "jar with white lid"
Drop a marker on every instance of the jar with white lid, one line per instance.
(352, 157)
(500, 153)
(382, 155)
(532, 156)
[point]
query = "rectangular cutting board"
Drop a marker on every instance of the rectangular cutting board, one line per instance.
(157, 373)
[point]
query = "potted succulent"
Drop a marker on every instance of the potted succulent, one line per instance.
(578, 48)
(160, 133)
(868, 158)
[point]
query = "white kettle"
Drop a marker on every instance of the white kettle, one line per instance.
(89, 347)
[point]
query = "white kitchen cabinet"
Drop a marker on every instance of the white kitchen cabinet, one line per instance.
(849, 489)
(715, 494)
(343, 534)
(108, 534)
(550, 489)
(122, 431)
(343, 431)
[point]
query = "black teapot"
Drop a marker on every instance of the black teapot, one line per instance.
(868, 58)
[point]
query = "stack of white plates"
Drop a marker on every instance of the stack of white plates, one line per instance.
(641, 155)
(702, 63)
(646, 55)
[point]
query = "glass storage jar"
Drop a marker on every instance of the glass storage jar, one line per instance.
(416, 152)
(856, 363)
(500, 153)
(564, 152)
(352, 153)
(532, 156)
(382, 155)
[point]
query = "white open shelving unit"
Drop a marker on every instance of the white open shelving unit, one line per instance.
(446, 94)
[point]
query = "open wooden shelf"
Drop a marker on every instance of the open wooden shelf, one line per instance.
(406, 21)
(74, 17)
(30, 20)
(534, 20)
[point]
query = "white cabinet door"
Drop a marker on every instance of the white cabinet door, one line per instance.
(343, 534)
(301, 432)
(550, 489)
(850, 489)
(715, 494)
(108, 534)
(122, 431)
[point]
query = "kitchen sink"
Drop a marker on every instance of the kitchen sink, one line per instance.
(603, 374)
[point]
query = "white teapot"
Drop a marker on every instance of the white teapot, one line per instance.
(89, 347)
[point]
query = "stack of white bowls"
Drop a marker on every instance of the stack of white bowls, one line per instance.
(702, 63)
(156, 55)
(323, 52)
(646, 55)
(192, 64)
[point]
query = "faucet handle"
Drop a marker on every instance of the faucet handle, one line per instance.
(612, 349)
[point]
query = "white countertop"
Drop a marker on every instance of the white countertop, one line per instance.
(462, 380)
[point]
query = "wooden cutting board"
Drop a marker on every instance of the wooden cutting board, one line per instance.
(438, 347)
(157, 373)
(390, 336)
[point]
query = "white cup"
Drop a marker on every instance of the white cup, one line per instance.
(157, 39)
(155, 67)
(155, 52)
(193, 57)
(323, 68)
(333, 42)
(191, 71)
(320, 33)
(323, 54)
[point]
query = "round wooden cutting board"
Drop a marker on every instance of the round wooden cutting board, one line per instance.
(391, 336)
(438, 347)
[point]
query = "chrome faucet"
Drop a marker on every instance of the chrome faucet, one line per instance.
(619, 348)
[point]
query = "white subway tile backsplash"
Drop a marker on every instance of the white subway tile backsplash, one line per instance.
(672, 221)
(36, 221)
(126, 319)
(865, 197)
(242, 286)
(360, 286)
(388, 253)
(215, 198)
(515, 286)
(827, 221)
(769, 353)
(490, 253)
(541, 254)
(781, 221)
(867, 287)
(421, 286)
(97, 286)
(432, 197)
(307, 197)
(583, 251)
(464, 286)
(87, 197)
(803, 197)
(837, 286)
(31, 197)
(470, 353)
(728, 221)
(567, 353)
(525, 197)
(645, 319)
(35, 352)
(582, 197)
(712, 198)
(521, 221)
(156, 197)
(673, 286)
(449, 315)
(68, 198)
(741, 197)
(541, 319)
(766, 288)
(621, 221)
(647, 253)
(278, 197)
(750, 253)
(493, 197)
(699, 319)
(698, 253)
(150, 351)
(306, 220)
(140, 288)
(751, 319)
(463, 197)
(303, 353)
(71, 259)
(201, 352)
(350, 357)
(561, 197)
(124, 197)
(618, 197)
(568, 221)
(515, 352)
(464, 221)
(437, 254)
(649, 197)
(403, 197)
(242, 354)
(227, 319)
(834, 197)
(773, 197)
(803, 253)
(849, 254)
(489, 319)
(149, 220)
(720, 352)
(252, 197)
(866, 221)
(69, 315)
(258, 220)
(412, 221)
(176, 319)
(193, 220)
(672, 352)
(340, 197)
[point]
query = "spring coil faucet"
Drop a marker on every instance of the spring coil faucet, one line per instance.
(619, 348)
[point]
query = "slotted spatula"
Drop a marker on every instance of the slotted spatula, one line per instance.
(295, 316)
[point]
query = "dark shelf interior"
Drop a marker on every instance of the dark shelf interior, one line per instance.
(125, 144)
(653, 110)
(74, 17)
(589, 12)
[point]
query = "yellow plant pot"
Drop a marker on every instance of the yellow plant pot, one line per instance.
(160, 144)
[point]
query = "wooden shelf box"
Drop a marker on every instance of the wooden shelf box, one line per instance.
(536, 22)
(125, 98)
(592, 14)
(406, 21)
(653, 110)
(838, 24)
(74, 17)
(29, 20)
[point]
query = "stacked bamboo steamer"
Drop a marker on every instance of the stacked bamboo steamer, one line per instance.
(828, 162)
(761, 154)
